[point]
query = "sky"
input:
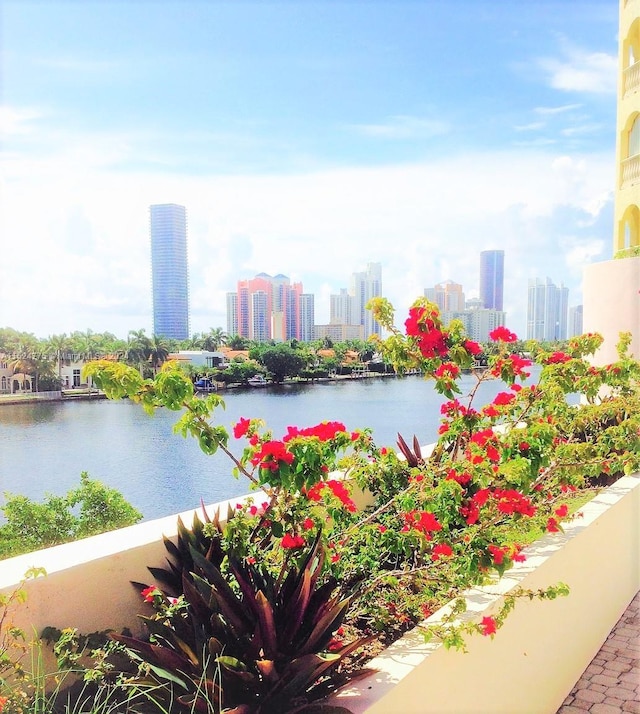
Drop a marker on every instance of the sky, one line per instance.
(304, 138)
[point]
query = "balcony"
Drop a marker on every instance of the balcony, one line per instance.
(631, 79)
(630, 171)
(517, 672)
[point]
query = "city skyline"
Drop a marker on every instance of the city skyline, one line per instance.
(303, 138)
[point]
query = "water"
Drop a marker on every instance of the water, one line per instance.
(45, 447)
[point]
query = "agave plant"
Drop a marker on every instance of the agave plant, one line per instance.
(250, 642)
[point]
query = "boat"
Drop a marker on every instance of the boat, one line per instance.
(257, 380)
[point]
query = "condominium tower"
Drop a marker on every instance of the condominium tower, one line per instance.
(492, 279)
(270, 308)
(547, 311)
(169, 273)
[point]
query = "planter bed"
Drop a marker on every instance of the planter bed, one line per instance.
(538, 655)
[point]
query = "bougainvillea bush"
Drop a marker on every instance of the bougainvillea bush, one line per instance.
(255, 614)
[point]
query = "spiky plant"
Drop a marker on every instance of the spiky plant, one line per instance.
(250, 642)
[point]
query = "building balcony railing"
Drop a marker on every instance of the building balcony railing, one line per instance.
(630, 171)
(631, 79)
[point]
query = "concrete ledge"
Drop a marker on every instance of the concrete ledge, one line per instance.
(88, 582)
(538, 655)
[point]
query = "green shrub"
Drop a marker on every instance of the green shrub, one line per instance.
(87, 510)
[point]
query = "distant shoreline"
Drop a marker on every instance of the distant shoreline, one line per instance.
(82, 394)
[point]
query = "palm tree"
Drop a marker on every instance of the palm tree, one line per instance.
(138, 349)
(213, 339)
(85, 343)
(58, 346)
(158, 351)
(237, 343)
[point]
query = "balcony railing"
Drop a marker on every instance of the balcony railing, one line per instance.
(631, 79)
(630, 171)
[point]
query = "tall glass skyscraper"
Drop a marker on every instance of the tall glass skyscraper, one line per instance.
(170, 280)
(492, 279)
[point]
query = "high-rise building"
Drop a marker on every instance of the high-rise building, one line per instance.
(307, 317)
(448, 296)
(232, 314)
(340, 308)
(547, 311)
(350, 307)
(574, 326)
(169, 272)
(267, 308)
(492, 279)
(364, 286)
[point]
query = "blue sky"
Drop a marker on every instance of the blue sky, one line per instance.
(304, 138)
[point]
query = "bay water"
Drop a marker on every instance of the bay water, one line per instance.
(44, 447)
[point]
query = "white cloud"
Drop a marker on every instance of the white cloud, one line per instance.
(18, 120)
(581, 130)
(557, 110)
(581, 71)
(404, 127)
(533, 126)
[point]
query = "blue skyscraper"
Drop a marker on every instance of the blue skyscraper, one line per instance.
(492, 279)
(170, 280)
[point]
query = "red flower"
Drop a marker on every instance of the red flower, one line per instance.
(433, 344)
(558, 358)
(523, 446)
(473, 348)
(149, 593)
(324, 431)
(490, 411)
(488, 626)
(338, 489)
(241, 428)
(481, 497)
(442, 550)
(270, 454)
(422, 521)
(251, 560)
(502, 334)
(447, 370)
(562, 511)
(552, 525)
(308, 524)
(497, 554)
(289, 541)
(461, 478)
(452, 407)
(502, 399)
(512, 501)
(492, 453)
